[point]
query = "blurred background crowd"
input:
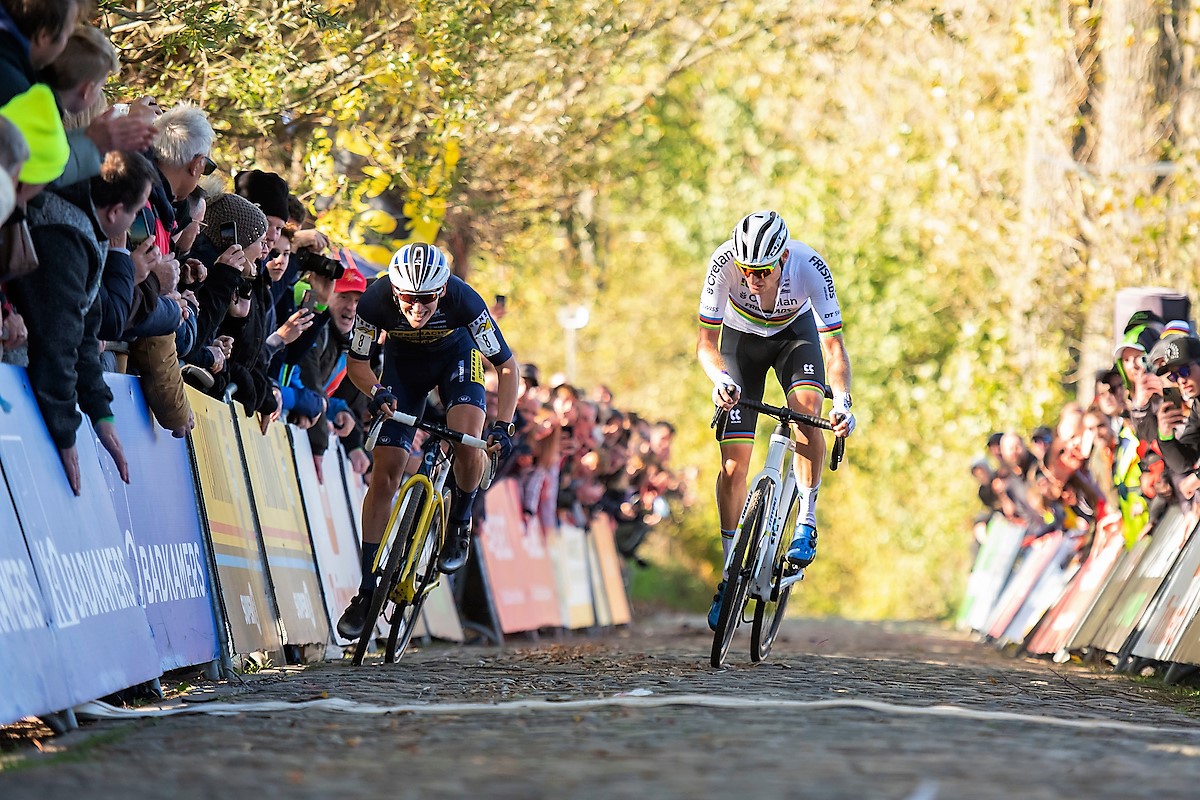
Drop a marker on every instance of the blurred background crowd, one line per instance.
(1113, 466)
(126, 247)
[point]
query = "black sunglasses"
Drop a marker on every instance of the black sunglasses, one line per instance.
(210, 166)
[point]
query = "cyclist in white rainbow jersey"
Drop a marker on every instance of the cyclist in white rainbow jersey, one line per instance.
(769, 302)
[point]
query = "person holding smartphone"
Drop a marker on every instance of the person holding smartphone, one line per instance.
(1179, 415)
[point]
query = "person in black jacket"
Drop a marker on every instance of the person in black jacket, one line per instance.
(71, 229)
(32, 34)
(1179, 424)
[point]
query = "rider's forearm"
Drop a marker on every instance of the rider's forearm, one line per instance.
(837, 365)
(361, 375)
(710, 356)
(508, 384)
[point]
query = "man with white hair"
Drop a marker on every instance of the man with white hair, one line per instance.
(181, 148)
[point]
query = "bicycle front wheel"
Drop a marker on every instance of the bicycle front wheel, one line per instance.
(401, 541)
(768, 614)
(408, 612)
(740, 572)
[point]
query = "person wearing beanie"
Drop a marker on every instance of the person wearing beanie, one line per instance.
(36, 115)
(227, 261)
(269, 192)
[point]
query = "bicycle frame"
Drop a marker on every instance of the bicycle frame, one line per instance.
(777, 470)
(434, 469)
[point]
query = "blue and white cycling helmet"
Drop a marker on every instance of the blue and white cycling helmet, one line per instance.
(418, 268)
(759, 239)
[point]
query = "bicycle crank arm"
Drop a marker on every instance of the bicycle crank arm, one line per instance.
(788, 580)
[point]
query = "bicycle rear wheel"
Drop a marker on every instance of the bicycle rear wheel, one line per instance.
(401, 541)
(740, 572)
(407, 612)
(768, 614)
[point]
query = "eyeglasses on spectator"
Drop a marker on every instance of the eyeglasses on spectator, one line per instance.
(1182, 372)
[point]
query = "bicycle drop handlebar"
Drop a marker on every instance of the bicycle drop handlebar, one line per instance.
(788, 415)
(439, 430)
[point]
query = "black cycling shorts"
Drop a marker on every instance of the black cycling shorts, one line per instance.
(795, 355)
(455, 369)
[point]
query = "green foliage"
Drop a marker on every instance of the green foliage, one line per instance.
(948, 160)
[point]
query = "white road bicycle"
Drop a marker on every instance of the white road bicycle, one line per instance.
(757, 567)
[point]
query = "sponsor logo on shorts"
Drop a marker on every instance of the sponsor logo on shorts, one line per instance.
(476, 367)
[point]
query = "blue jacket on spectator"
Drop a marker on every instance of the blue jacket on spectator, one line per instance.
(116, 294)
(16, 71)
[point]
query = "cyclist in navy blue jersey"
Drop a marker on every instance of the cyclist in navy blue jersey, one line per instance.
(435, 331)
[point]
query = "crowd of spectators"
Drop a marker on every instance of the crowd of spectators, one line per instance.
(1112, 468)
(125, 247)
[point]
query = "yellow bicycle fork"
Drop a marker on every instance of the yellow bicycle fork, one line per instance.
(406, 588)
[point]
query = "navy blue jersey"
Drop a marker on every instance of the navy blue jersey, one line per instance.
(461, 316)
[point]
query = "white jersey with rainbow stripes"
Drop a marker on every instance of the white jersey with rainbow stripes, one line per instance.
(806, 284)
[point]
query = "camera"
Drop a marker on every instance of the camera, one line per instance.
(308, 261)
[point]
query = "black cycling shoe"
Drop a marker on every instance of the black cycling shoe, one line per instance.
(457, 548)
(350, 626)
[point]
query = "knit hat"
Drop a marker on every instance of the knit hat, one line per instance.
(250, 220)
(266, 190)
(36, 115)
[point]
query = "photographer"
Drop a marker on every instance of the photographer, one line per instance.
(1179, 415)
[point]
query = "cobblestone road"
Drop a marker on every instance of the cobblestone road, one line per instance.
(681, 751)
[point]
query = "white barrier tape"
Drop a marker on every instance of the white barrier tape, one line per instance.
(638, 698)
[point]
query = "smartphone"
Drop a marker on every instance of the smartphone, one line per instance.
(228, 234)
(501, 300)
(309, 301)
(1172, 395)
(141, 229)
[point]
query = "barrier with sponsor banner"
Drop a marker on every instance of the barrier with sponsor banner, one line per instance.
(520, 575)
(279, 512)
(99, 638)
(225, 499)
(163, 538)
(1139, 603)
(225, 543)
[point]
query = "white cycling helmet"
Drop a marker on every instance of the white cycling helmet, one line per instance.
(418, 268)
(759, 238)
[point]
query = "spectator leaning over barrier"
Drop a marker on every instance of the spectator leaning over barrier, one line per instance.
(71, 230)
(77, 77)
(32, 34)
(324, 367)
(36, 117)
(1179, 422)
(14, 152)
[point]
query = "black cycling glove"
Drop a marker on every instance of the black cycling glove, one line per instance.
(381, 397)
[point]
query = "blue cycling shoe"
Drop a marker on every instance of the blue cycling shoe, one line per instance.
(804, 546)
(714, 613)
